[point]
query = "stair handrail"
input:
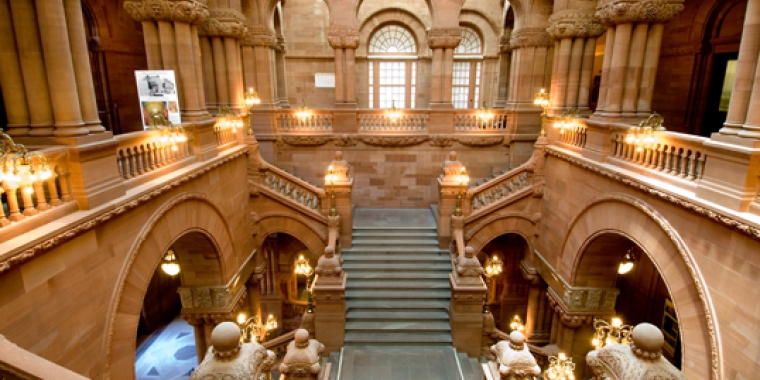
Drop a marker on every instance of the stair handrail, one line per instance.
(319, 191)
(478, 198)
(313, 193)
(279, 345)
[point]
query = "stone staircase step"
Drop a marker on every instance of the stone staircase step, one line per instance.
(395, 230)
(398, 275)
(399, 293)
(405, 266)
(425, 303)
(397, 258)
(404, 235)
(471, 368)
(397, 326)
(390, 242)
(392, 249)
(397, 315)
(383, 283)
(398, 338)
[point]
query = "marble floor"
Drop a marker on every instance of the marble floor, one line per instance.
(398, 218)
(399, 363)
(168, 354)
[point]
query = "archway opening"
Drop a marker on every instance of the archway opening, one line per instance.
(166, 344)
(643, 297)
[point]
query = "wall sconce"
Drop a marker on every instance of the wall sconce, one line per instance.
(462, 179)
(170, 133)
(566, 120)
(643, 135)
(303, 268)
(330, 178)
(252, 327)
(542, 100)
(493, 267)
(516, 324)
(628, 261)
(228, 120)
(19, 167)
(169, 263)
(251, 97)
(560, 368)
(303, 111)
(393, 113)
(485, 113)
(610, 333)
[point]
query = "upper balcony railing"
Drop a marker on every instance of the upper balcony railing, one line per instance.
(380, 121)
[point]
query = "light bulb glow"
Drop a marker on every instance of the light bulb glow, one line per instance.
(625, 267)
(241, 318)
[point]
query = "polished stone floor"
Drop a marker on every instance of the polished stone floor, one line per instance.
(396, 218)
(168, 354)
(399, 363)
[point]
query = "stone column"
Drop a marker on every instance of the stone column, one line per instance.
(505, 57)
(177, 38)
(749, 49)
(282, 83)
(576, 33)
(443, 41)
(345, 40)
(14, 95)
(220, 35)
(634, 35)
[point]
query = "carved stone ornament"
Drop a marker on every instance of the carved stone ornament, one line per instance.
(329, 266)
(530, 37)
(504, 45)
(613, 12)
(451, 169)
(346, 140)
(571, 24)
(189, 11)
(468, 267)
(480, 140)
(443, 38)
(259, 36)
(340, 168)
(224, 23)
(393, 140)
(640, 361)
(343, 37)
(514, 358)
(441, 141)
(308, 140)
(227, 358)
(302, 361)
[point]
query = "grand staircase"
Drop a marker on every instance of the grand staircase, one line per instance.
(397, 300)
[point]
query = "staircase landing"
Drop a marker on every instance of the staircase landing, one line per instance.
(403, 363)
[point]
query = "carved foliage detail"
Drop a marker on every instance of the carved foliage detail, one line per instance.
(530, 37)
(612, 12)
(441, 38)
(570, 24)
(343, 37)
(224, 23)
(189, 11)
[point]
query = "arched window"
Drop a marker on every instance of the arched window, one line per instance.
(465, 89)
(392, 68)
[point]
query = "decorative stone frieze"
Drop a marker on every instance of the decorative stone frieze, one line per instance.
(302, 361)
(443, 38)
(572, 24)
(346, 140)
(224, 23)
(641, 360)
(210, 304)
(478, 141)
(530, 37)
(230, 359)
(613, 12)
(343, 37)
(514, 358)
(259, 36)
(393, 140)
(189, 11)
(304, 140)
(441, 141)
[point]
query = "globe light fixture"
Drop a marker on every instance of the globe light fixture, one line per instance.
(516, 324)
(21, 168)
(628, 261)
(560, 368)
(169, 264)
(170, 134)
(485, 113)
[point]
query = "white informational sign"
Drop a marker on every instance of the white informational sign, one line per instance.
(324, 80)
(158, 93)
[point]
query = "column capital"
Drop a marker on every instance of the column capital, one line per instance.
(343, 37)
(441, 38)
(573, 24)
(223, 23)
(504, 46)
(189, 11)
(530, 37)
(581, 305)
(613, 12)
(259, 35)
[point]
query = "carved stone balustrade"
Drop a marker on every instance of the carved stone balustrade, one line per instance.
(228, 358)
(302, 361)
(639, 361)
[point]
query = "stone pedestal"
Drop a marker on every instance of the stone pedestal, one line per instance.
(330, 312)
(466, 316)
(731, 172)
(95, 177)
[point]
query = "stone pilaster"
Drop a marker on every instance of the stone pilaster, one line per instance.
(443, 41)
(634, 36)
(344, 40)
(505, 59)
(220, 36)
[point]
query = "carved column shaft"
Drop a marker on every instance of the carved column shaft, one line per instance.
(443, 41)
(220, 40)
(749, 49)
(259, 64)
(632, 52)
(14, 95)
(505, 57)
(282, 83)
(344, 40)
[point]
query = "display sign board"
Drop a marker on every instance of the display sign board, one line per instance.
(157, 90)
(324, 80)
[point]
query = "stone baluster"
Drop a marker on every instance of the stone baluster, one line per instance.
(13, 207)
(3, 218)
(53, 190)
(634, 36)
(40, 195)
(26, 197)
(63, 180)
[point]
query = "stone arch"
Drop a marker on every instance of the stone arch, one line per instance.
(294, 226)
(478, 236)
(95, 12)
(485, 27)
(182, 214)
(672, 258)
(393, 16)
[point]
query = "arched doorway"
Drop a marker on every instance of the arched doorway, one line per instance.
(508, 292)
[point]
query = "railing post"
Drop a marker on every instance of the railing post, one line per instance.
(330, 315)
(448, 190)
(340, 185)
(204, 140)
(598, 141)
(95, 178)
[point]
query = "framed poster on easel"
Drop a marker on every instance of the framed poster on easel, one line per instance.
(157, 90)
